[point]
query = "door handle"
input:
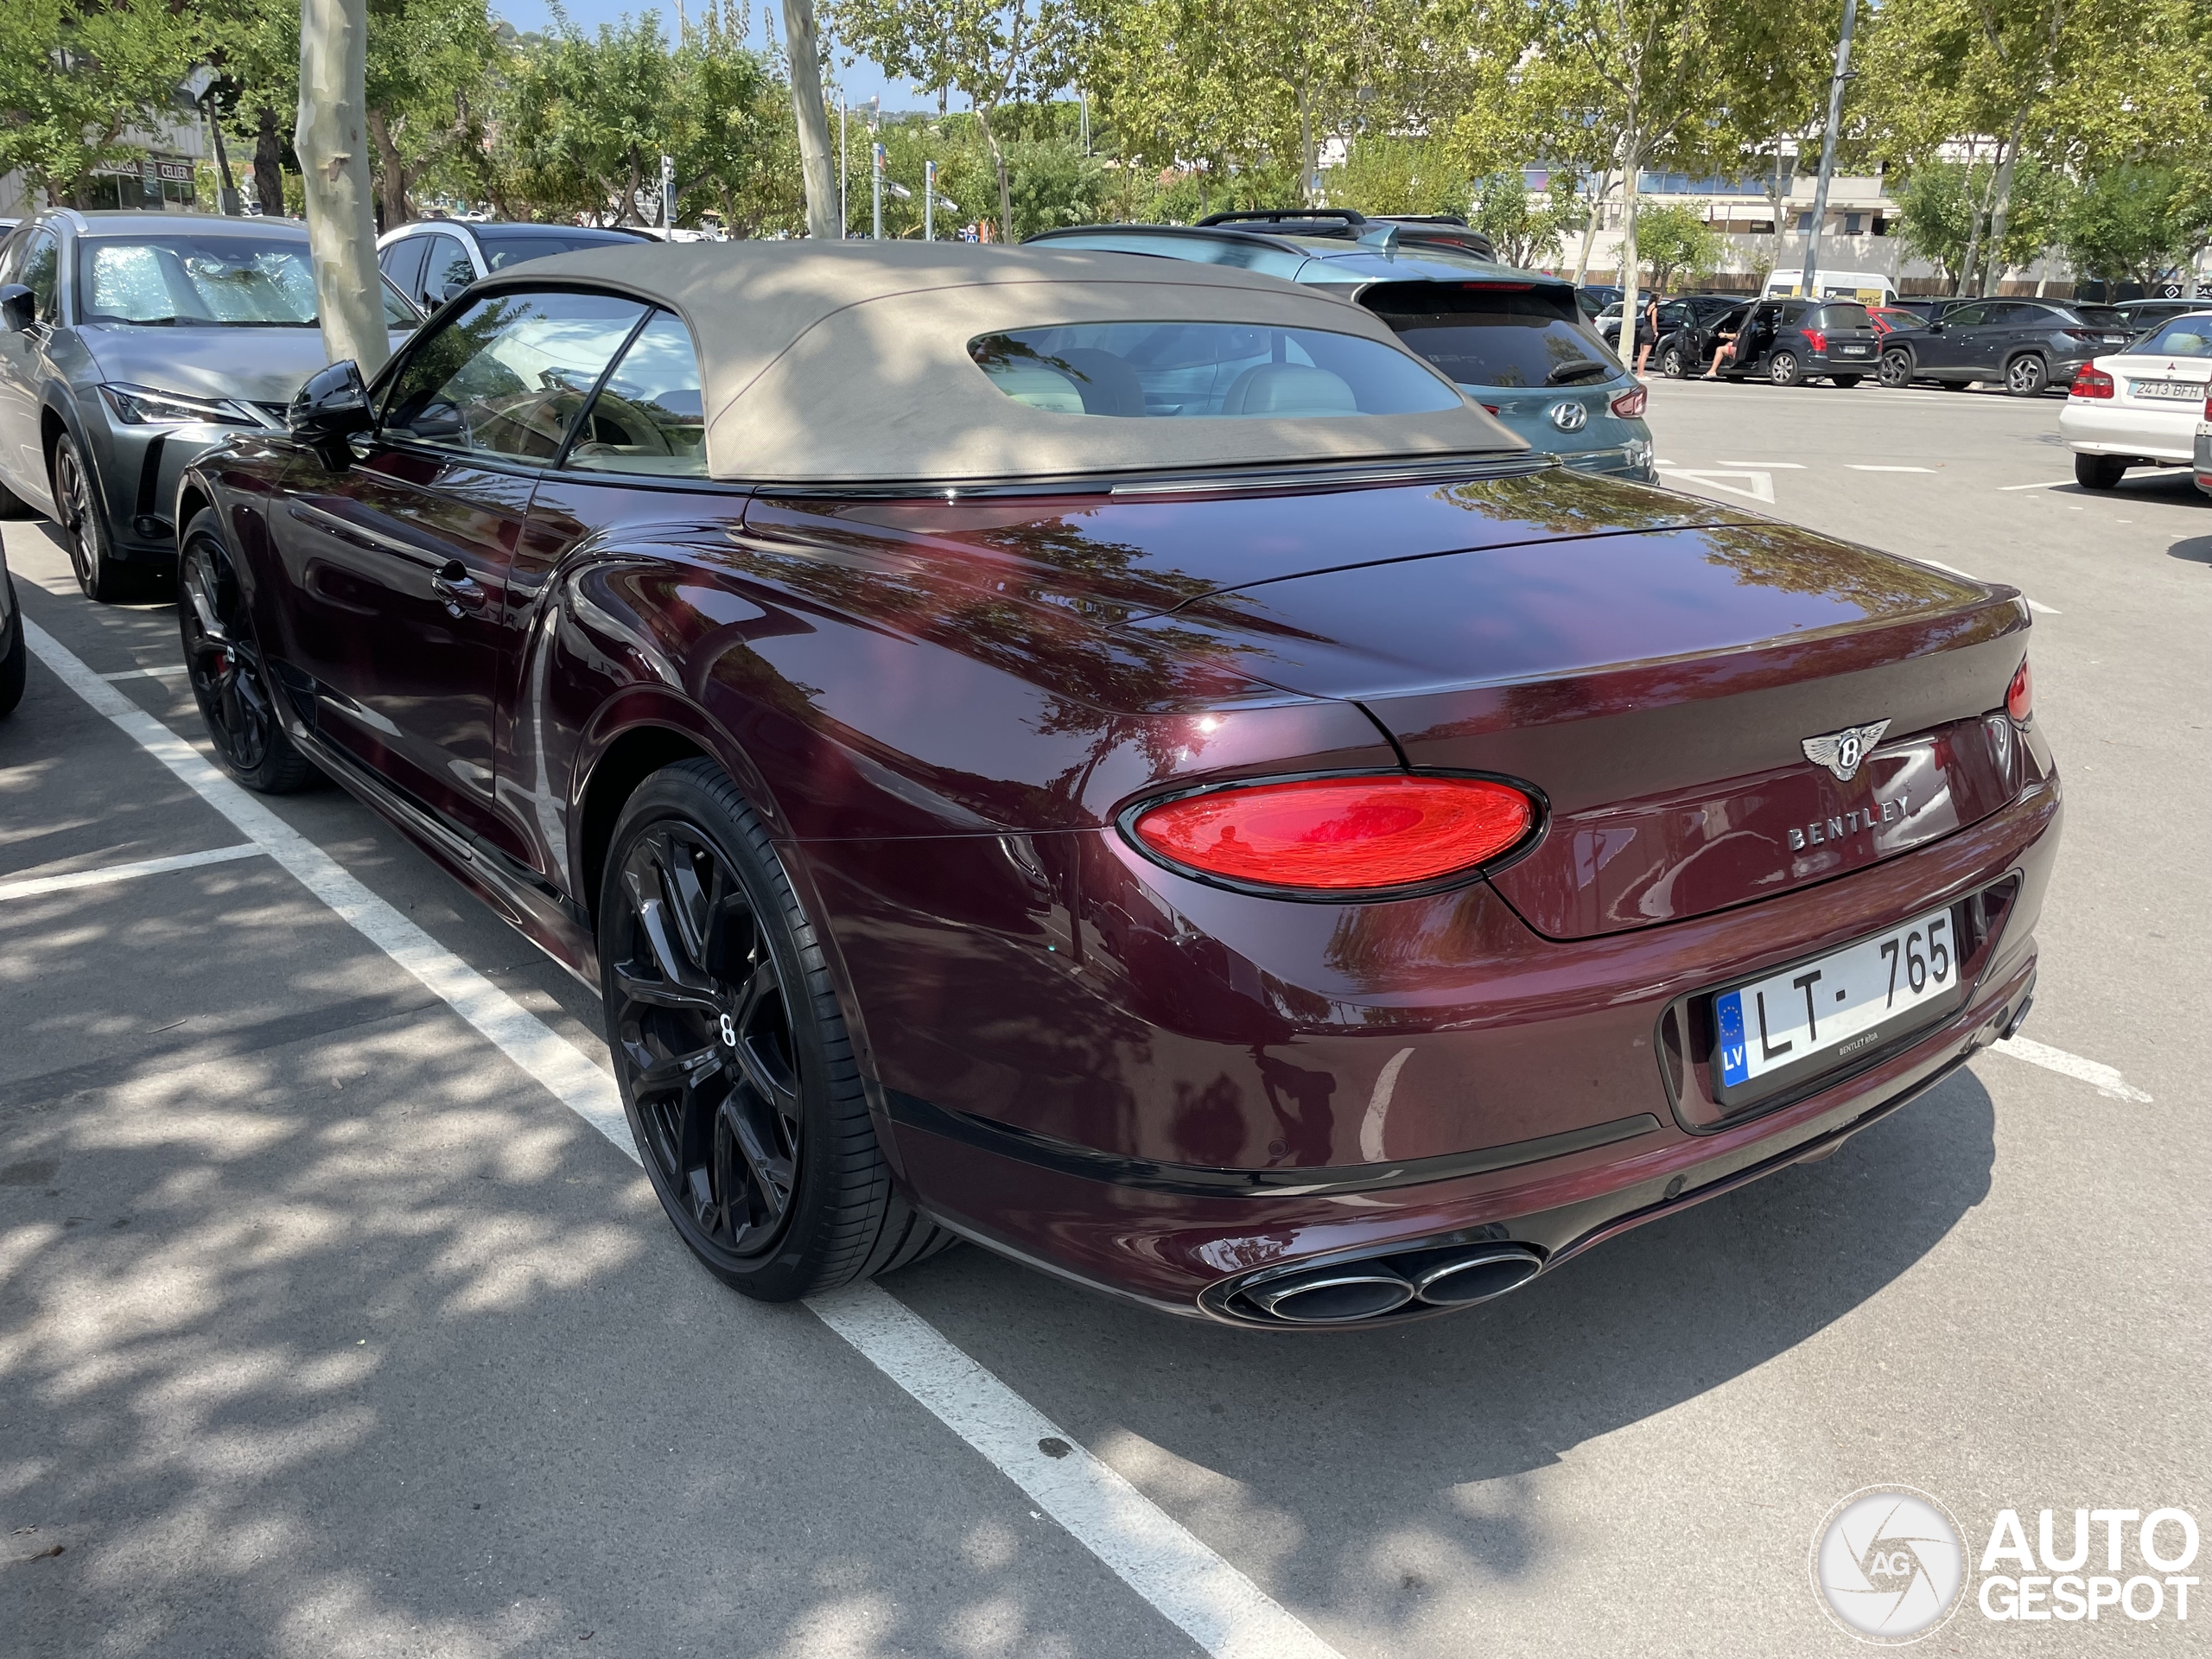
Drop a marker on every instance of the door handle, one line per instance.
(460, 591)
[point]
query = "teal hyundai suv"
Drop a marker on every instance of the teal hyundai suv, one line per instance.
(1516, 341)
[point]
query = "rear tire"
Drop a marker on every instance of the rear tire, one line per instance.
(230, 681)
(2099, 471)
(1783, 369)
(736, 1072)
(2026, 376)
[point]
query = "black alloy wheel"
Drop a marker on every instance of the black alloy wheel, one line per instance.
(83, 527)
(2026, 376)
(736, 1072)
(230, 682)
(1895, 369)
(1783, 369)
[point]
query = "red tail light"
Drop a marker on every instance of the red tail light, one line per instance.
(2208, 409)
(1818, 341)
(1629, 404)
(2090, 381)
(2021, 696)
(1337, 834)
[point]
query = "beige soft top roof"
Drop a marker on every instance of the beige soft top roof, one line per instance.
(848, 364)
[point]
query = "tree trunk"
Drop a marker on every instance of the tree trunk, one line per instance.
(998, 161)
(1969, 279)
(392, 174)
(812, 117)
(1590, 230)
(1305, 150)
(2003, 208)
(333, 144)
(1631, 163)
(269, 163)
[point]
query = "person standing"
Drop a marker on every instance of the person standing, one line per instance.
(1647, 332)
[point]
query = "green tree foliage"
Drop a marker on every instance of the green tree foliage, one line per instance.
(77, 75)
(1382, 174)
(992, 53)
(1939, 203)
(1526, 229)
(2134, 222)
(1677, 238)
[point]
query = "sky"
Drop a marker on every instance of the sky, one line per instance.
(860, 83)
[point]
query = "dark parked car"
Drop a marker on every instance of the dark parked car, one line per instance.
(2143, 315)
(1416, 230)
(433, 259)
(1594, 297)
(1121, 762)
(130, 342)
(15, 653)
(1511, 339)
(2023, 345)
(1787, 341)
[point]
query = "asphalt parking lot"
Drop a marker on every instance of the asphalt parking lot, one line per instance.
(329, 1327)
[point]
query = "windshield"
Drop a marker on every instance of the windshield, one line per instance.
(1494, 336)
(2183, 337)
(502, 251)
(196, 282)
(1184, 369)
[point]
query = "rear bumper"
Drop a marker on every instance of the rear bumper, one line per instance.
(2107, 426)
(1592, 1149)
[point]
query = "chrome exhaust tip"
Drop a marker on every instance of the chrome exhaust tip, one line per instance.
(1338, 1296)
(1463, 1278)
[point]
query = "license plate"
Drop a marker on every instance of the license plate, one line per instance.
(1816, 1014)
(2180, 390)
(1854, 351)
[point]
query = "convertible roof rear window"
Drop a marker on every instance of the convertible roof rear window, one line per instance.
(1206, 369)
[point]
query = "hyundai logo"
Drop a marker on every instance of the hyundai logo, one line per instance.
(1570, 417)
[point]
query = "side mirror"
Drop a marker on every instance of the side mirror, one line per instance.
(329, 408)
(18, 308)
(448, 291)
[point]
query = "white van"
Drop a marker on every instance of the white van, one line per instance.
(1867, 287)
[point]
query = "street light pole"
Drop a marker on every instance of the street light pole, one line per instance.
(875, 193)
(929, 202)
(844, 217)
(1808, 279)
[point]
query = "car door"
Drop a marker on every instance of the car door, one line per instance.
(403, 263)
(395, 568)
(1947, 343)
(2006, 325)
(34, 260)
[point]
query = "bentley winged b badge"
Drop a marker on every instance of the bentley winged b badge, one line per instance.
(1841, 752)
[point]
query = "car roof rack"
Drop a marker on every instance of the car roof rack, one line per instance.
(1281, 215)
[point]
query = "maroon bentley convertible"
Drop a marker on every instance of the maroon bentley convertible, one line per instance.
(1124, 763)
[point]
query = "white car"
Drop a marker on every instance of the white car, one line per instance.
(2140, 407)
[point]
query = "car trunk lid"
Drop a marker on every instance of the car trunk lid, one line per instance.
(1658, 686)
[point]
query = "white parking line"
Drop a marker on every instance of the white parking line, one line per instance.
(32, 887)
(2006, 489)
(1155, 1555)
(1151, 1552)
(2104, 1079)
(180, 672)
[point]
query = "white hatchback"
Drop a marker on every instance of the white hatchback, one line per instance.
(2140, 407)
